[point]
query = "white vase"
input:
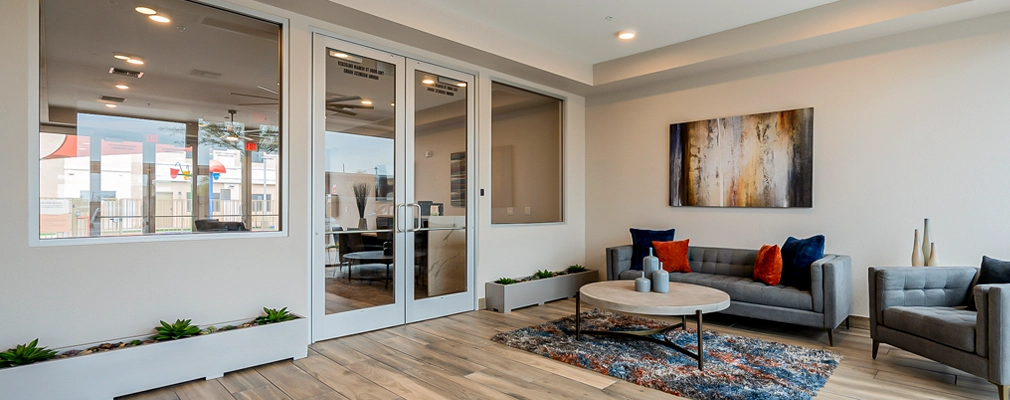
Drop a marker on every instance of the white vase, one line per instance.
(916, 251)
(933, 261)
(925, 240)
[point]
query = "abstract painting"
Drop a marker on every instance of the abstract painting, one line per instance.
(757, 160)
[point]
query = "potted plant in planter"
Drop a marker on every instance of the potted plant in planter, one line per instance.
(361, 190)
(177, 352)
(507, 294)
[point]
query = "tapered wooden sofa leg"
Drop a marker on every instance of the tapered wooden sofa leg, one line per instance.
(876, 346)
(831, 337)
(1004, 392)
(846, 322)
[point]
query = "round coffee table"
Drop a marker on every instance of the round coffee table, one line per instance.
(683, 300)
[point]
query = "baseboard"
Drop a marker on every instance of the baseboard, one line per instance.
(860, 322)
(481, 303)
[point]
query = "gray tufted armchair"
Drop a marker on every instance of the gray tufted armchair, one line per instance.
(922, 310)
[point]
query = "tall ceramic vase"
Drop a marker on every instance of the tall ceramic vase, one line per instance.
(916, 251)
(650, 264)
(925, 240)
(933, 261)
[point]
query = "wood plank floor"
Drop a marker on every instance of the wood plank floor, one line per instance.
(453, 358)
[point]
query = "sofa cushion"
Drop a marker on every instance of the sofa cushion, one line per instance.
(711, 260)
(641, 242)
(950, 326)
(992, 271)
(768, 265)
(745, 289)
(797, 255)
(673, 255)
(630, 274)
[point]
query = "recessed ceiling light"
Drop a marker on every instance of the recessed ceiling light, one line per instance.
(122, 87)
(135, 61)
(366, 102)
(627, 34)
(461, 84)
(145, 11)
(111, 105)
(340, 55)
(121, 57)
(160, 18)
(428, 81)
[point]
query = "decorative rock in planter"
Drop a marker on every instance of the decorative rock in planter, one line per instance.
(505, 298)
(122, 371)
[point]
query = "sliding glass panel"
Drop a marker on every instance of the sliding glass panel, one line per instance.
(360, 150)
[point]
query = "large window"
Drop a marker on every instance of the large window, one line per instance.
(159, 117)
(526, 157)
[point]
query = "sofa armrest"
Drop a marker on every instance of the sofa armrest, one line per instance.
(993, 303)
(831, 288)
(618, 260)
(912, 286)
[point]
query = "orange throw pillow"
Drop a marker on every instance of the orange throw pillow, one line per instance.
(768, 265)
(673, 255)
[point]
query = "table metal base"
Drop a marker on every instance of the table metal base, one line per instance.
(646, 334)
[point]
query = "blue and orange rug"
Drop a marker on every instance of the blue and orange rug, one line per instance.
(736, 367)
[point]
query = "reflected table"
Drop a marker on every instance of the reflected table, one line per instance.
(376, 257)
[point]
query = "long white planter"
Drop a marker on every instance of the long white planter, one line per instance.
(505, 298)
(135, 369)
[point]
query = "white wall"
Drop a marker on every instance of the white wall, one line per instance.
(905, 127)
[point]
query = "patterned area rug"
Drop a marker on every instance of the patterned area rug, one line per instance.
(736, 367)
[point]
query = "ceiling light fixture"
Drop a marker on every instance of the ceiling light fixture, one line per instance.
(121, 57)
(145, 11)
(122, 87)
(392, 104)
(340, 55)
(135, 61)
(428, 81)
(626, 34)
(461, 84)
(160, 18)
(111, 105)
(366, 102)
(232, 137)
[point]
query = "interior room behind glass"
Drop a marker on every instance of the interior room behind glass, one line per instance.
(159, 117)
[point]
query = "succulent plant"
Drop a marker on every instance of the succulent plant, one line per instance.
(541, 274)
(505, 281)
(575, 268)
(274, 316)
(180, 329)
(25, 354)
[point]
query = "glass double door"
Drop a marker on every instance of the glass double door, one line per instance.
(391, 142)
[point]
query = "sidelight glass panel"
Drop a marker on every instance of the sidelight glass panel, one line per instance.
(359, 160)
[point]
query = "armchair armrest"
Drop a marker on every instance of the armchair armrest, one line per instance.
(618, 260)
(831, 288)
(912, 286)
(992, 341)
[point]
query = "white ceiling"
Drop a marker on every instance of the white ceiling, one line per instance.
(580, 27)
(569, 44)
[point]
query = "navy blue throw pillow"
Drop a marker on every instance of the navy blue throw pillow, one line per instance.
(641, 241)
(992, 271)
(797, 255)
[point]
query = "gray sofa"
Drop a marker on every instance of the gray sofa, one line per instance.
(922, 310)
(826, 305)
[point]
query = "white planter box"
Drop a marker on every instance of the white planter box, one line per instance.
(129, 370)
(505, 298)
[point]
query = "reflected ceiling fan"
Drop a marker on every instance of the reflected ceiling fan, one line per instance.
(332, 104)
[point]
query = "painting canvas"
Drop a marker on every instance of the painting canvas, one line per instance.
(757, 160)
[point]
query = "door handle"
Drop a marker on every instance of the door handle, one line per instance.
(396, 217)
(417, 219)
